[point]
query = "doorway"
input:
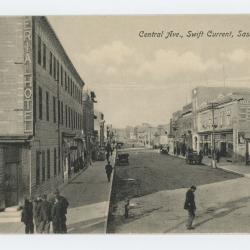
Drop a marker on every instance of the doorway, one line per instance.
(11, 175)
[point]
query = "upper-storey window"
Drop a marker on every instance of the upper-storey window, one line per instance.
(40, 96)
(54, 65)
(61, 75)
(57, 70)
(39, 51)
(65, 81)
(47, 105)
(68, 85)
(44, 56)
(50, 63)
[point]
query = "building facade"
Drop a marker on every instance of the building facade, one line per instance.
(88, 122)
(41, 121)
(224, 110)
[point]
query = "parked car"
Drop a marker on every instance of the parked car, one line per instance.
(122, 159)
(164, 149)
(192, 157)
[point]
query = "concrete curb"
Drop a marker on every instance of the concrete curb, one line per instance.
(110, 191)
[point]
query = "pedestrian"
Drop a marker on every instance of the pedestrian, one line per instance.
(126, 208)
(63, 206)
(56, 214)
(37, 214)
(107, 156)
(217, 153)
(190, 206)
(109, 170)
(45, 215)
(27, 216)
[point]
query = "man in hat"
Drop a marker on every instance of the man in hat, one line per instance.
(190, 206)
(109, 170)
(45, 215)
(63, 205)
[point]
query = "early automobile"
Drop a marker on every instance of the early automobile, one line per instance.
(164, 149)
(122, 159)
(192, 157)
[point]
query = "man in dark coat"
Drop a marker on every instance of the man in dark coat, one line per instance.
(109, 170)
(36, 211)
(45, 215)
(56, 214)
(63, 206)
(27, 216)
(190, 206)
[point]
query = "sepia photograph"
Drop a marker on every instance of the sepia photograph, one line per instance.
(125, 124)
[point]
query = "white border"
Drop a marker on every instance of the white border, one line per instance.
(116, 7)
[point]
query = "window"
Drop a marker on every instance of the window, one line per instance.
(40, 95)
(62, 113)
(37, 167)
(50, 63)
(55, 167)
(71, 86)
(43, 165)
(68, 84)
(54, 65)
(69, 121)
(66, 116)
(59, 112)
(57, 71)
(48, 164)
(39, 51)
(59, 166)
(47, 105)
(44, 56)
(54, 109)
(61, 75)
(65, 81)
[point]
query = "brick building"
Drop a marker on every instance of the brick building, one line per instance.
(88, 121)
(41, 121)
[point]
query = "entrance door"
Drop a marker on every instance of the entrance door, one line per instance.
(11, 174)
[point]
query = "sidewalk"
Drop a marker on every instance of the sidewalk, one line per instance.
(88, 194)
(235, 168)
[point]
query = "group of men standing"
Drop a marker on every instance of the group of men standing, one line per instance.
(44, 212)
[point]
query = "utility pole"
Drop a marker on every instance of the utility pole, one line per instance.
(212, 107)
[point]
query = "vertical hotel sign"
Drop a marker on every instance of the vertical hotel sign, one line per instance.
(28, 76)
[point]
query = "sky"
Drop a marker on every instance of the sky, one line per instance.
(145, 79)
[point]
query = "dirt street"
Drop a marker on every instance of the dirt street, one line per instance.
(150, 172)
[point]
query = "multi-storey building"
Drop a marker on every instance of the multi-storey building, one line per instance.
(40, 110)
(99, 127)
(231, 121)
(88, 121)
(227, 110)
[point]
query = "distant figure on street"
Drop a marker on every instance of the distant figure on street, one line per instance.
(37, 213)
(56, 214)
(109, 170)
(63, 206)
(27, 216)
(126, 208)
(190, 206)
(217, 154)
(45, 215)
(200, 156)
(107, 156)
